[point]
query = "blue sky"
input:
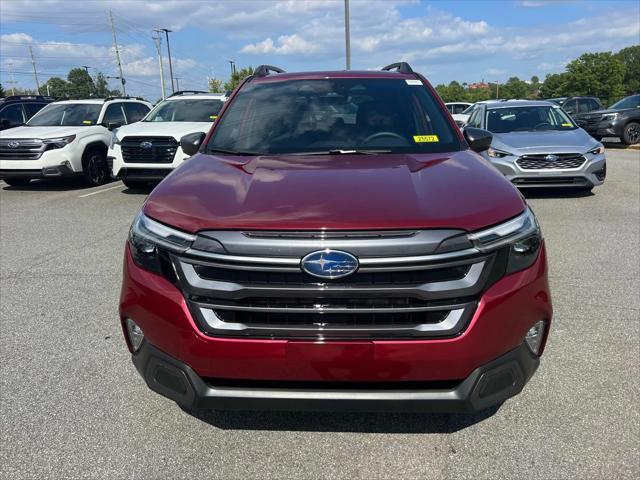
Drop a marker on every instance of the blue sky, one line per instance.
(446, 40)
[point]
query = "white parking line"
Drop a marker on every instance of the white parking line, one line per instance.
(99, 191)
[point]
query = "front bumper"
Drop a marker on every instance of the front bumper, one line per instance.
(504, 313)
(592, 173)
(486, 386)
(56, 171)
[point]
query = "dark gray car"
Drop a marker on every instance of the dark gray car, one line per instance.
(622, 120)
(536, 144)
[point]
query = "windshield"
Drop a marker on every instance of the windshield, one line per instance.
(67, 114)
(628, 102)
(524, 119)
(470, 109)
(191, 110)
(324, 115)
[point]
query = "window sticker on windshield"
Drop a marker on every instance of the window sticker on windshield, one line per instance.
(87, 122)
(425, 138)
(413, 82)
(567, 125)
(213, 117)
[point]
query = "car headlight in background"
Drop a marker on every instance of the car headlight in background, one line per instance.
(609, 116)
(149, 240)
(521, 234)
(58, 142)
(114, 139)
(493, 153)
(597, 151)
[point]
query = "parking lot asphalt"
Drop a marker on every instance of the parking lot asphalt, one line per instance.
(73, 406)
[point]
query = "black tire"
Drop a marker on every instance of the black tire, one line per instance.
(631, 133)
(135, 184)
(95, 169)
(17, 182)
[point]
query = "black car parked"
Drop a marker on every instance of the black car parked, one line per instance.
(578, 105)
(621, 120)
(16, 110)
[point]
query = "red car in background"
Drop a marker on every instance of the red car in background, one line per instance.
(336, 242)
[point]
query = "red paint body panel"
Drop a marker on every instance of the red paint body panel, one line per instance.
(505, 313)
(394, 191)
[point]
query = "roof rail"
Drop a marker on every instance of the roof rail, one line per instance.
(27, 97)
(186, 92)
(400, 67)
(263, 70)
(108, 99)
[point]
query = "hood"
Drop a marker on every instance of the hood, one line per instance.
(41, 132)
(567, 141)
(165, 129)
(342, 192)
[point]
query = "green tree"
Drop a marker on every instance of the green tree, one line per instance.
(630, 57)
(57, 87)
(2, 92)
(599, 74)
(514, 88)
(80, 83)
(101, 87)
(555, 85)
(237, 77)
(215, 86)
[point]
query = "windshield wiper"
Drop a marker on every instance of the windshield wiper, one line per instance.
(232, 152)
(339, 151)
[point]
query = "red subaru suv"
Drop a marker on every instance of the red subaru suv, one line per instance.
(335, 242)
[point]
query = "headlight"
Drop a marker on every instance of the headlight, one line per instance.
(493, 153)
(114, 139)
(58, 142)
(521, 234)
(149, 239)
(597, 151)
(609, 116)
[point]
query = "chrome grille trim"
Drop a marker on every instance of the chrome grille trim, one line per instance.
(565, 161)
(28, 149)
(470, 284)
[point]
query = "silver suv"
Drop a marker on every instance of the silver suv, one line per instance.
(536, 144)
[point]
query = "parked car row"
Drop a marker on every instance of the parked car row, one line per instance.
(98, 139)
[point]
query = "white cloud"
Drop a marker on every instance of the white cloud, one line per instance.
(286, 45)
(494, 72)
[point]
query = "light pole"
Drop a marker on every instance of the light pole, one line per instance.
(232, 65)
(347, 40)
(166, 33)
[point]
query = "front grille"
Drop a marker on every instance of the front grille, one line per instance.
(560, 161)
(266, 295)
(148, 149)
(21, 149)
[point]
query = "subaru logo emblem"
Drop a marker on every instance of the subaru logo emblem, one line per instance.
(329, 264)
(13, 144)
(146, 145)
(551, 158)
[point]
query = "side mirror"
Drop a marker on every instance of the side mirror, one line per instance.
(111, 126)
(477, 138)
(191, 143)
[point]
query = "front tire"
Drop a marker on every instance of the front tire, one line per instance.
(95, 168)
(631, 133)
(17, 182)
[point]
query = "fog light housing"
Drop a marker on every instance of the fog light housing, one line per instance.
(136, 335)
(534, 336)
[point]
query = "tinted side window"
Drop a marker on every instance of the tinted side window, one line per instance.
(459, 108)
(475, 119)
(33, 107)
(114, 114)
(592, 105)
(570, 106)
(135, 111)
(13, 114)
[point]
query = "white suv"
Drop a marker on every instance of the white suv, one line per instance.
(150, 150)
(67, 138)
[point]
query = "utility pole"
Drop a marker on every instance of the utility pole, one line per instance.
(115, 45)
(347, 40)
(13, 82)
(158, 41)
(166, 33)
(35, 73)
(93, 85)
(232, 66)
